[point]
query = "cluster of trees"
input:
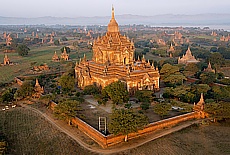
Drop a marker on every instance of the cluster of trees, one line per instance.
(67, 49)
(67, 82)
(22, 49)
(67, 110)
(8, 95)
(171, 75)
(115, 91)
(218, 111)
(225, 52)
(162, 109)
(191, 93)
(26, 90)
(125, 121)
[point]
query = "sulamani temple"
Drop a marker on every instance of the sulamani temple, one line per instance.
(113, 60)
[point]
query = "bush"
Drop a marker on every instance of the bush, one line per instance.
(144, 95)
(128, 105)
(145, 106)
(91, 90)
(22, 50)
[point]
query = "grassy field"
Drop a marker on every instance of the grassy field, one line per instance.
(29, 133)
(198, 140)
(38, 56)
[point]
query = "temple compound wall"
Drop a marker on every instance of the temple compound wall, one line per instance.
(110, 140)
(113, 60)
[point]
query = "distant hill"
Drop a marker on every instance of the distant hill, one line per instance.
(161, 20)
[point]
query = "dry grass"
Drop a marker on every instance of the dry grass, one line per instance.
(212, 139)
(29, 133)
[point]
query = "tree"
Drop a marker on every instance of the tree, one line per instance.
(213, 49)
(218, 111)
(8, 95)
(22, 50)
(26, 90)
(207, 77)
(220, 92)
(145, 106)
(67, 110)
(162, 109)
(190, 69)
(175, 79)
(66, 48)
(171, 75)
(67, 82)
(117, 92)
(91, 90)
(144, 95)
(56, 42)
(125, 121)
(64, 39)
(200, 88)
(217, 58)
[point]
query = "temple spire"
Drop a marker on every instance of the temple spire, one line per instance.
(113, 12)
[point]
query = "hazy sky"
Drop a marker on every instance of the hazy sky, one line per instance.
(76, 8)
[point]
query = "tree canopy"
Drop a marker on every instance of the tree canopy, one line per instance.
(125, 121)
(218, 111)
(67, 110)
(26, 90)
(22, 50)
(67, 82)
(144, 95)
(91, 90)
(67, 49)
(171, 75)
(162, 109)
(117, 92)
(8, 95)
(207, 77)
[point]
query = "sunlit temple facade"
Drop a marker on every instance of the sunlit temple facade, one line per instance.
(113, 60)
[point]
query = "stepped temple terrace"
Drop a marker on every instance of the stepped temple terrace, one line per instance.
(113, 60)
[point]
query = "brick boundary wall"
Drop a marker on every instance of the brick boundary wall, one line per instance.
(110, 140)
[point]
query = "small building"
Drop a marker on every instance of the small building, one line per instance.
(55, 57)
(171, 50)
(38, 90)
(6, 60)
(64, 55)
(8, 40)
(209, 68)
(200, 105)
(187, 58)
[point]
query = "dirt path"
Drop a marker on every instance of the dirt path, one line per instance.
(115, 149)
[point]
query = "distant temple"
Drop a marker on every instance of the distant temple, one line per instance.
(177, 35)
(209, 68)
(38, 90)
(6, 60)
(161, 42)
(113, 60)
(8, 40)
(214, 34)
(187, 58)
(55, 57)
(171, 50)
(64, 55)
